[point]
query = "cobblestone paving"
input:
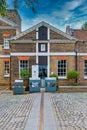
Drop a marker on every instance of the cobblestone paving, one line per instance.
(14, 110)
(70, 110)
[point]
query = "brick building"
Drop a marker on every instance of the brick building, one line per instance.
(10, 25)
(53, 50)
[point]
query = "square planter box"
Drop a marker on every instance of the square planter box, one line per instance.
(50, 85)
(34, 85)
(18, 87)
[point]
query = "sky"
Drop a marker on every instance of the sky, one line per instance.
(58, 13)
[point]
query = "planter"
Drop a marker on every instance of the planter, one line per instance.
(34, 85)
(50, 85)
(18, 87)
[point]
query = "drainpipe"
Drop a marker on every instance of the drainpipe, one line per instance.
(76, 65)
(10, 65)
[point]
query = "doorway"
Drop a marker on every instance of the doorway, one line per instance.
(42, 71)
(42, 61)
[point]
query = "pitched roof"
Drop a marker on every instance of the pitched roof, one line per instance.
(47, 25)
(80, 34)
(8, 21)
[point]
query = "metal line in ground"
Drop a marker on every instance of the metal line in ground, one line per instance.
(41, 111)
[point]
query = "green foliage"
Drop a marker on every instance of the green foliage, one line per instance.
(17, 4)
(73, 74)
(54, 75)
(25, 74)
(84, 26)
(3, 7)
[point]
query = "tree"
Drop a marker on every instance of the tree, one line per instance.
(3, 7)
(84, 26)
(16, 4)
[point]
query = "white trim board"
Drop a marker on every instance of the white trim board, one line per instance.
(43, 54)
(4, 56)
(7, 27)
(22, 54)
(82, 54)
(44, 41)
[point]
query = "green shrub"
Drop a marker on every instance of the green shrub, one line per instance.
(54, 75)
(25, 74)
(73, 76)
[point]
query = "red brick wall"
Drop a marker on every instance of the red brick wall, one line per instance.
(55, 35)
(23, 47)
(28, 36)
(62, 47)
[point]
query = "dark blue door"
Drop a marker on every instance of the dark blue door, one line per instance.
(42, 60)
(42, 71)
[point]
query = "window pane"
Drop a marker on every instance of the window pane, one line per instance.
(23, 65)
(62, 68)
(6, 43)
(85, 68)
(6, 68)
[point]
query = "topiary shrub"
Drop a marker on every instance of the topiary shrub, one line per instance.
(72, 76)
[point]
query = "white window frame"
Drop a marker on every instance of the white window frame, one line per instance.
(85, 77)
(62, 77)
(6, 43)
(22, 68)
(6, 68)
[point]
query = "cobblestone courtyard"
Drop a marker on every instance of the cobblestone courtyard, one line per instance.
(69, 111)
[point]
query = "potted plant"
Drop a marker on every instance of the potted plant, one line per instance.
(25, 75)
(73, 75)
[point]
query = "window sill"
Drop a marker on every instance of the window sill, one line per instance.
(6, 75)
(6, 48)
(62, 77)
(85, 77)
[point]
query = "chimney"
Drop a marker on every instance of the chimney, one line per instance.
(69, 30)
